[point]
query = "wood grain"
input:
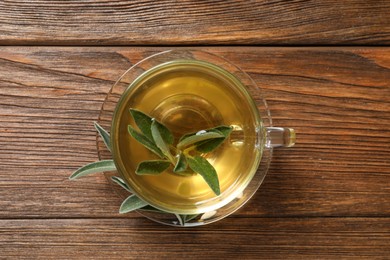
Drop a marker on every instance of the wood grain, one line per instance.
(260, 238)
(261, 22)
(337, 99)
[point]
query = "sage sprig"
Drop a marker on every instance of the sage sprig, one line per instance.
(186, 157)
(186, 154)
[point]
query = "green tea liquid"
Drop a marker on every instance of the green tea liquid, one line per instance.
(188, 97)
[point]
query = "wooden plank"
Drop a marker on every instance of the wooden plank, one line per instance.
(239, 238)
(336, 98)
(331, 22)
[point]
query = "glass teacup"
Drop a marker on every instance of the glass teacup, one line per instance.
(190, 90)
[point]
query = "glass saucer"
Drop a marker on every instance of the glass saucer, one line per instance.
(107, 112)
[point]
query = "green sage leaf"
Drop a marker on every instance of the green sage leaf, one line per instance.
(225, 130)
(189, 217)
(181, 164)
(183, 219)
(104, 135)
(158, 139)
(186, 173)
(166, 134)
(153, 209)
(152, 167)
(144, 123)
(131, 203)
(144, 141)
(210, 145)
(121, 183)
(198, 137)
(100, 166)
(180, 218)
(206, 170)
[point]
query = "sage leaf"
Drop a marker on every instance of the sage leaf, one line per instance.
(198, 137)
(131, 203)
(104, 135)
(180, 218)
(121, 183)
(186, 173)
(201, 166)
(144, 123)
(153, 209)
(166, 134)
(152, 167)
(144, 141)
(183, 219)
(100, 166)
(181, 164)
(223, 129)
(189, 217)
(158, 139)
(210, 145)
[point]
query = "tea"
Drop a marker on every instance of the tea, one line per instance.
(188, 96)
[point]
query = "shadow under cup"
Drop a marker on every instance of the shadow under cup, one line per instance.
(189, 91)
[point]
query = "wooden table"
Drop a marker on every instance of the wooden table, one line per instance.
(324, 67)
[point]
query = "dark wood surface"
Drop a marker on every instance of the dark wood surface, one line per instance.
(326, 198)
(113, 22)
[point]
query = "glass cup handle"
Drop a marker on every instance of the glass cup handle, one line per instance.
(280, 137)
